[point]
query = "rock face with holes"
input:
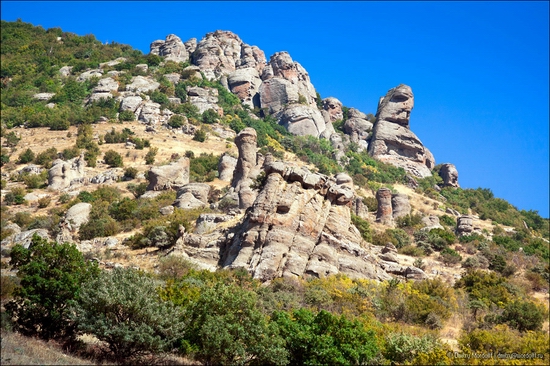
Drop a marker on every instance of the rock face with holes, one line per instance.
(63, 174)
(300, 223)
(392, 140)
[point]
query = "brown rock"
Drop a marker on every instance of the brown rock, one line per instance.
(464, 225)
(400, 205)
(384, 212)
(449, 174)
(334, 108)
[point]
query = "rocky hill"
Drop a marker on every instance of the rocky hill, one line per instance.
(208, 153)
(308, 189)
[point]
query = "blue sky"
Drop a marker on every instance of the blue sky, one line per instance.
(479, 70)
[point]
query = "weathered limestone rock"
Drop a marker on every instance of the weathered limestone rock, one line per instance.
(108, 176)
(142, 84)
(358, 208)
(166, 210)
(300, 224)
(90, 74)
(275, 93)
(171, 176)
(431, 222)
(150, 113)
(64, 173)
(43, 96)
(384, 212)
(334, 108)
(130, 103)
(172, 49)
(392, 141)
(226, 167)
(65, 71)
(303, 120)
(207, 223)
(246, 163)
(112, 62)
(245, 83)
(464, 225)
(203, 98)
(192, 195)
(76, 216)
(400, 205)
(449, 174)
(174, 77)
(24, 238)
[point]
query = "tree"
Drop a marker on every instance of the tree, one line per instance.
(200, 135)
(324, 338)
(26, 156)
(524, 315)
(113, 159)
(226, 327)
(51, 276)
(123, 309)
(150, 156)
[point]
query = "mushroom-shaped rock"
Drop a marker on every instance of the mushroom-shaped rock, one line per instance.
(400, 205)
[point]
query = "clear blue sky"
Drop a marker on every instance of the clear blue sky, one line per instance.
(479, 70)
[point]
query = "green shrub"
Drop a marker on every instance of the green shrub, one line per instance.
(70, 152)
(113, 159)
(524, 315)
(409, 220)
(450, 257)
(400, 236)
(200, 135)
(137, 189)
(210, 116)
(130, 172)
(371, 203)
(446, 235)
(176, 121)
(403, 347)
(363, 227)
(51, 276)
(100, 223)
(123, 309)
(203, 168)
(44, 202)
(447, 220)
(35, 180)
(126, 116)
(46, 157)
(12, 139)
(151, 154)
(26, 156)
(325, 339)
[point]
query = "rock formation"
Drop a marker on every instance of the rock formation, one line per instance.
(300, 224)
(192, 195)
(246, 169)
(245, 83)
(449, 174)
(203, 98)
(392, 141)
(171, 176)
(64, 173)
(226, 167)
(303, 120)
(384, 212)
(358, 127)
(400, 205)
(464, 225)
(172, 49)
(334, 108)
(431, 222)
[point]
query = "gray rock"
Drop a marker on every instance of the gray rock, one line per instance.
(63, 173)
(245, 83)
(174, 78)
(24, 238)
(43, 96)
(226, 167)
(464, 225)
(449, 174)
(392, 141)
(303, 120)
(142, 84)
(173, 175)
(172, 49)
(150, 113)
(97, 73)
(431, 222)
(203, 98)
(76, 216)
(334, 108)
(130, 103)
(384, 213)
(400, 205)
(65, 71)
(192, 195)
(166, 210)
(108, 177)
(207, 223)
(275, 93)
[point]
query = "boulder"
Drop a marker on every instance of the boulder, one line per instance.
(31, 169)
(226, 167)
(65, 71)
(449, 174)
(166, 210)
(172, 49)
(218, 53)
(203, 98)
(174, 77)
(108, 176)
(400, 205)
(275, 93)
(142, 84)
(173, 175)
(192, 195)
(96, 73)
(464, 225)
(77, 215)
(130, 103)
(207, 222)
(431, 222)
(24, 238)
(246, 166)
(303, 120)
(43, 96)
(358, 208)
(384, 212)
(64, 173)
(150, 113)
(392, 140)
(334, 108)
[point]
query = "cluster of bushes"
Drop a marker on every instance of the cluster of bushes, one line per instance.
(203, 168)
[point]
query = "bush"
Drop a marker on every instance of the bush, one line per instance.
(203, 168)
(26, 157)
(35, 180)
(524, 315)
(100, 223)
(70, 152)
(51, 276)
(137, 189)
(44, 202)
(113, 159)
(402, 347)
(450, 257)
(176, 121)
(363, 227)
(46, 157)
(123, 308)
(200, 135)
(210, 116)
(126, 116)
(151, 154)
(130, 172)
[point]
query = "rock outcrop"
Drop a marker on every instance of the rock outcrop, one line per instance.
(303, 120)
(392, 141)
(142, 84)
(300, 224)
(245, 83)
(464, 225)
(192, 195)
(334, 108)
(172, 49)
(171, 176)
(203, 98)
(384, 214)
(64, 173)
(246, 169)
(400, 205)
(226, 167)
(358, 127)
(449, 174)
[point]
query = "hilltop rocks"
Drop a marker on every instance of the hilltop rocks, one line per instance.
(130, 103)
(358, 127)
(245, 83)
(104, 89)
(449, 174)
(275, 93)
(64, 173)
(392, 140)
(334, 108)
(172, 49)
(303, 120)
(173, 175)
(300, 224)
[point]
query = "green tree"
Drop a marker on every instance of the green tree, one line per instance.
(226, 327)
(325, 339)
(524, 315)
(51, 276)
(151, 154)
(26, 156)
(123, 309)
